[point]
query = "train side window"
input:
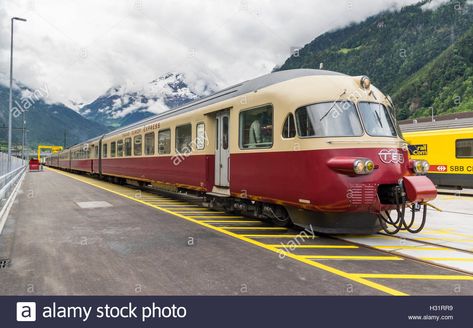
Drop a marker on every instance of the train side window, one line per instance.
(464, 148)
(127, 146)
(113, 149)
(256, 128)
(149, 143)
(201, 139)
(137, 145)
(289, 128)
(104, 150)
(184, 138)
(164, 141)
(119, 148)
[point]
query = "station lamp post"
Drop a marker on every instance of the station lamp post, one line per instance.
(11, 92)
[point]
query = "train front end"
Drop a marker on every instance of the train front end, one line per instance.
(362, 180)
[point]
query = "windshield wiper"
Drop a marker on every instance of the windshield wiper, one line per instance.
(333, 105)
(379, 118)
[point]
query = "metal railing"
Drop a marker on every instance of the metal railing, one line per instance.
(9, 179)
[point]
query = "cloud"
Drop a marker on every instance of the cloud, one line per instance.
(81, 48)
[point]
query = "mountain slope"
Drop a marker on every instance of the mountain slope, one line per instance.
(391, 47)
(46, 123)
(445, 84)
(123, 105)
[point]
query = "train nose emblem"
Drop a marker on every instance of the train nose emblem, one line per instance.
(393, 156)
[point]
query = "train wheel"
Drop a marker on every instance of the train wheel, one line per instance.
(278, 215)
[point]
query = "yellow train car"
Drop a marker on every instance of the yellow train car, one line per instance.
(447, 146)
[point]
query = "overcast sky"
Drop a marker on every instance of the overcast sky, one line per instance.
(80, 48)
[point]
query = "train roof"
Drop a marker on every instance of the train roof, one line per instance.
(440, 123)
(231, 92)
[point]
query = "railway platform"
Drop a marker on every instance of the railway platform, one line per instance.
(69, 234)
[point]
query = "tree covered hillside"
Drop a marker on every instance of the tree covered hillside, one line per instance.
(421, 56)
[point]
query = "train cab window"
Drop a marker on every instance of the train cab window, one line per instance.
(104, 150)
(149, 143)
(119, 148)
(127, 146)
(331, 119)
(377, 120)
(164, 141)
(464, 148)
(201, 139)
(184, 138)
(137, 145)
(113, 149)
(289, 128)
(256, 128)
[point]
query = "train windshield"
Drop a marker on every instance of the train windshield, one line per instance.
(332, 119)
(377, 120)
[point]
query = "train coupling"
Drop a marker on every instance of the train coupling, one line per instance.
(412, 193)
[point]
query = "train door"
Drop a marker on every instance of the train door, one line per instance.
(222, 151)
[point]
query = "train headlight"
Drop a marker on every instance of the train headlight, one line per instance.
(363, 166)
(420, 167)
(359, 166)
(425, 166)
(369, 166)
(365, 82)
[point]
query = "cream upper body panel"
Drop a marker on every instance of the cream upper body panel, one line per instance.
(285, 97)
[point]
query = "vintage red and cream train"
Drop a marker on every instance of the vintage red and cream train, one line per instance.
(315, 148)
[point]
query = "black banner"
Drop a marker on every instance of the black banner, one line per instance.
(246, 311)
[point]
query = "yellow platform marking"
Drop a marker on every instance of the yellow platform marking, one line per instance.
(352, 257)
(458, 259)
(292, 236)
(229, 221)
(177, 207)
(201, 211)
(413, 276)
(165, 204)
(254, 228)
(321, 266)
(443, 239)
(217, 217)
(421, 248)
(313, 246)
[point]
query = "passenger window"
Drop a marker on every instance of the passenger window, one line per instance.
(289, 128)
(256, 128)
(184, 138)
(127, 146)
(137, 145)
(119, 148)
(113, 148)
(201, 139)
(149, 143)
(164, 141)
(104, 150)
(464, 148)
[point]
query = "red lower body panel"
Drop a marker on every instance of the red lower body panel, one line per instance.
(192, 171)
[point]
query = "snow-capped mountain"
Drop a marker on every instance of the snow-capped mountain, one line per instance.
(46, 123)
(122, 105)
